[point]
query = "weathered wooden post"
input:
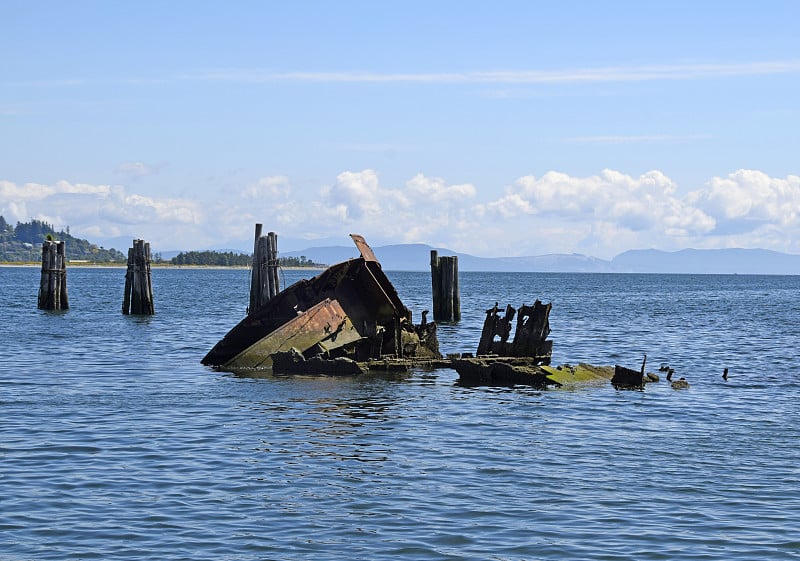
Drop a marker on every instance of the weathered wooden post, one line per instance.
(264, 283)
(444, 282)
(53, 283)
(138, 298)
(255, 274)
(435, 284)
(272, 264)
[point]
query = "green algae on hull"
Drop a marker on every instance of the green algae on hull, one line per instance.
(581, 374)
(509, 371)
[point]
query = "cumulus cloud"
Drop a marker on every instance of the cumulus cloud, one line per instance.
(357, 194)
(99, 210)
(436, 189)
(599, 215)
(748, 208)
(11, 193)
(647, 202)
(748, 199)
(417, 211)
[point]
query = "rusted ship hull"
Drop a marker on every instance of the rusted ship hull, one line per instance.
(350, 310)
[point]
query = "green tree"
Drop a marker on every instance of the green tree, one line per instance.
(213, 258)
(23, 242)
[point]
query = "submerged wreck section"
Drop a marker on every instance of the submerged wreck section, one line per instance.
(512, 371)
(350, 310)
(523, 360)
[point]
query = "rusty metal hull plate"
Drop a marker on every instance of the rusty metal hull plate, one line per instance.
(364, 248)
(325, 324)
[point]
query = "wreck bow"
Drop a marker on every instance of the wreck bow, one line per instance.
(349, 310)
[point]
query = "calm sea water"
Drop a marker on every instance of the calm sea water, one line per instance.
(115, 443)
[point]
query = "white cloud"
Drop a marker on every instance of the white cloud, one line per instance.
(416, 212)
(436, 190)
(653, 72)
(28, 192)
(358, 194)
(750, 195)
(98, 210)
(647, 202)
(599, 215)
(82, 188)
(276, 186)
(602, 214)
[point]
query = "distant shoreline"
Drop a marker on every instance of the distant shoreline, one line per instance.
(155, 266)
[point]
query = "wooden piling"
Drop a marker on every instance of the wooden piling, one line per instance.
(435, 284)
(444, 282)
(53, 283)
(272, 264)
(255, 271)
(138, 297)
(264, 283)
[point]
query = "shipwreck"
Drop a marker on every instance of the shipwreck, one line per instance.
(348, 313)
(349, 320)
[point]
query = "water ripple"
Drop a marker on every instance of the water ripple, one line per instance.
(119, 445)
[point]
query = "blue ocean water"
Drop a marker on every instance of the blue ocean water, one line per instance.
(115, 443)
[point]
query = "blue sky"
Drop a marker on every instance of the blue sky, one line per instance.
(503, 128)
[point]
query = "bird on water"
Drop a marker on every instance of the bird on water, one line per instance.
(680, 384)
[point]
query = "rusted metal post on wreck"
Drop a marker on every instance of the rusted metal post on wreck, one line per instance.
(530, 334)
(444, 283)
(496, 326)
(53, 283)
(138, 297)
(264, 285)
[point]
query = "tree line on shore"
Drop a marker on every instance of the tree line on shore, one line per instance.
(233, 259)
(23, 243)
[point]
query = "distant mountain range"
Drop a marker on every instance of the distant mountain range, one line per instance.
(416, 257)
(716, 261)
